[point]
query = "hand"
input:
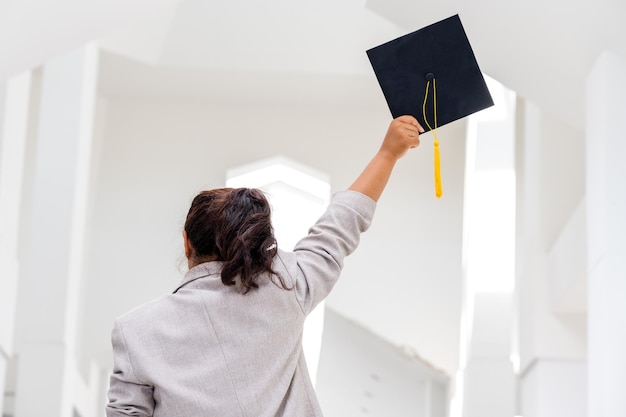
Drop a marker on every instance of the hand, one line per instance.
(402, 135)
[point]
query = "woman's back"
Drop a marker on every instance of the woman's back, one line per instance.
(207, 350)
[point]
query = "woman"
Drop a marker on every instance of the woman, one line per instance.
(228, 341)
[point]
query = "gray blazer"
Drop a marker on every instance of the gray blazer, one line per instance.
(208, 351)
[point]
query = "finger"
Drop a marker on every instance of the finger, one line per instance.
(412, 121)
(411, 130)
(408, 119)
(415, 144)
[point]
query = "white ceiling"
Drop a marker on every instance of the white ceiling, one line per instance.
(34, 31)
(541, 49)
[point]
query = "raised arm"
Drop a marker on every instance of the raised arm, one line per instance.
(317, 260)
(402, 135)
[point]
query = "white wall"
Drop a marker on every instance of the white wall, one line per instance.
(361, 374)
(554, 387)
(562, 173)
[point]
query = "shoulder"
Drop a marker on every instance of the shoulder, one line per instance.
(146, 312)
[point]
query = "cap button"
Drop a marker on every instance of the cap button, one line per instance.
(429, 76)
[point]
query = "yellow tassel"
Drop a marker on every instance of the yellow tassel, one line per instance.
(437, 164)
(438, 191)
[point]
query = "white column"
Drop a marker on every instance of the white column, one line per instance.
(51, 266)
(4, 323)
(551, 344)
(14, 98)
(489, 378)
(489, 251)
(606, 228)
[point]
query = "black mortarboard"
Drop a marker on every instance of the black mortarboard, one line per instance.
(438, 58)
(441, 50)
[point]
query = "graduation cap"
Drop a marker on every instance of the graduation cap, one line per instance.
(431, 74)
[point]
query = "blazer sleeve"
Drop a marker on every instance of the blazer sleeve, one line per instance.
(127, 395)
(317, 260)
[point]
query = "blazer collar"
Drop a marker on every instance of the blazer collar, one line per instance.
(200, 271)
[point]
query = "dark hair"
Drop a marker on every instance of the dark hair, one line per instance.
(233, 225)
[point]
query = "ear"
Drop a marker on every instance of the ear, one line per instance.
(187, 244)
